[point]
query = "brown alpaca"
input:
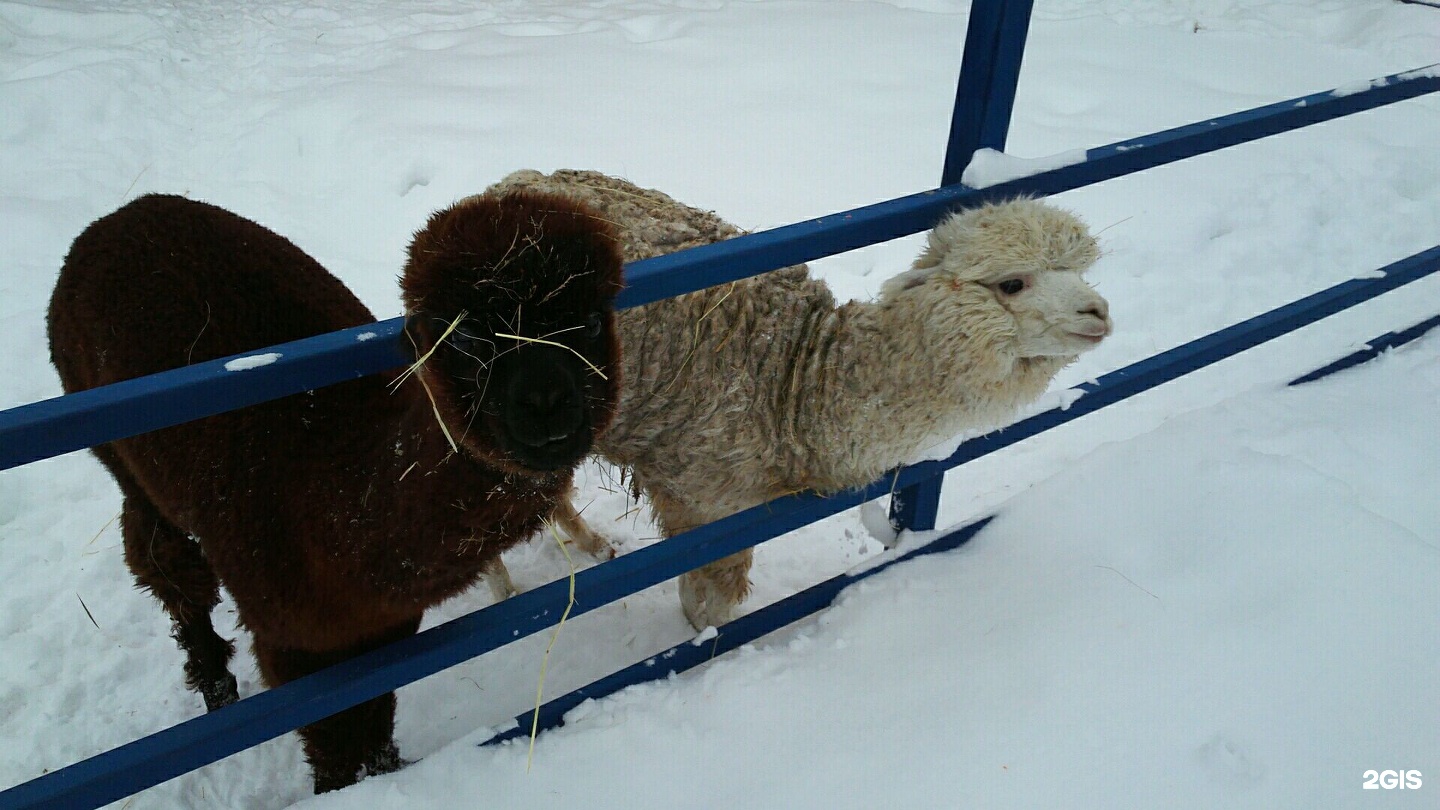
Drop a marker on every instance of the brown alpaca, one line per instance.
(336, 517)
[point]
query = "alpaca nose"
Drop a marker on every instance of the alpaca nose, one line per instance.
(552, 409)
(1098, 308)
(544, 399)
(1094, 321)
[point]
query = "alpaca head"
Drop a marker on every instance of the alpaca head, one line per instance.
(1017, 268)
(514, 293)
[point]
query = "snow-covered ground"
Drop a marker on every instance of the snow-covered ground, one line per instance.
(1223, 593)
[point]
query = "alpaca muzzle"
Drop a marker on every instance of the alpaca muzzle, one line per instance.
(543, 409)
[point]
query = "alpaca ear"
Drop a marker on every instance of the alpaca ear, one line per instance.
(419, 334)
(924, 267)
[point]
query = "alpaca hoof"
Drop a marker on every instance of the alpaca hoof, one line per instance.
(597, 546)
(388, 760)
(703, 606)
(220, 693)
(588, 540)
(497, 577)
(329, 781)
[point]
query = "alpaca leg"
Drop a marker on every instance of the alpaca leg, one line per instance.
(710, 593)
(579, 531)
(169, 564)
(497, 576)
(358, 742)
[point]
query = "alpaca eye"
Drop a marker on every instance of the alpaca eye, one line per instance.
(1011, 286)
(594, 324)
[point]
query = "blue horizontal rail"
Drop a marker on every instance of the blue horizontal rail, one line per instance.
(689, 654)
(207, 738)
(679, 273)
(210, 737)
(131, 407)
(1197, 354)
(63, 424)
(1373, 348)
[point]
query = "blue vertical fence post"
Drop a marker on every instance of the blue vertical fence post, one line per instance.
(989, 73)
(984, 98)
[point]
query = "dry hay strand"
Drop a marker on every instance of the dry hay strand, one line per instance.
(107, 525)
(545, 660)
(695, 338)
(556, 344)
(415, 366)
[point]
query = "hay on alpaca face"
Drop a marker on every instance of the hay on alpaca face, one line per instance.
(336, 517)
(744, 392)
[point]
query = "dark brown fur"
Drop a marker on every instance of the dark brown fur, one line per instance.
(336, 517)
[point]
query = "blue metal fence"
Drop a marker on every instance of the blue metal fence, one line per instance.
(993, 49)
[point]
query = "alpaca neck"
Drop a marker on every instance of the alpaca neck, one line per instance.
(483, 502)
(886, 380)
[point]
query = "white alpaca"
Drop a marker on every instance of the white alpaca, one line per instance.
(738, 394)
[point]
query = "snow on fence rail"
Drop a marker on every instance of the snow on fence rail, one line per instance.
(993, 48)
